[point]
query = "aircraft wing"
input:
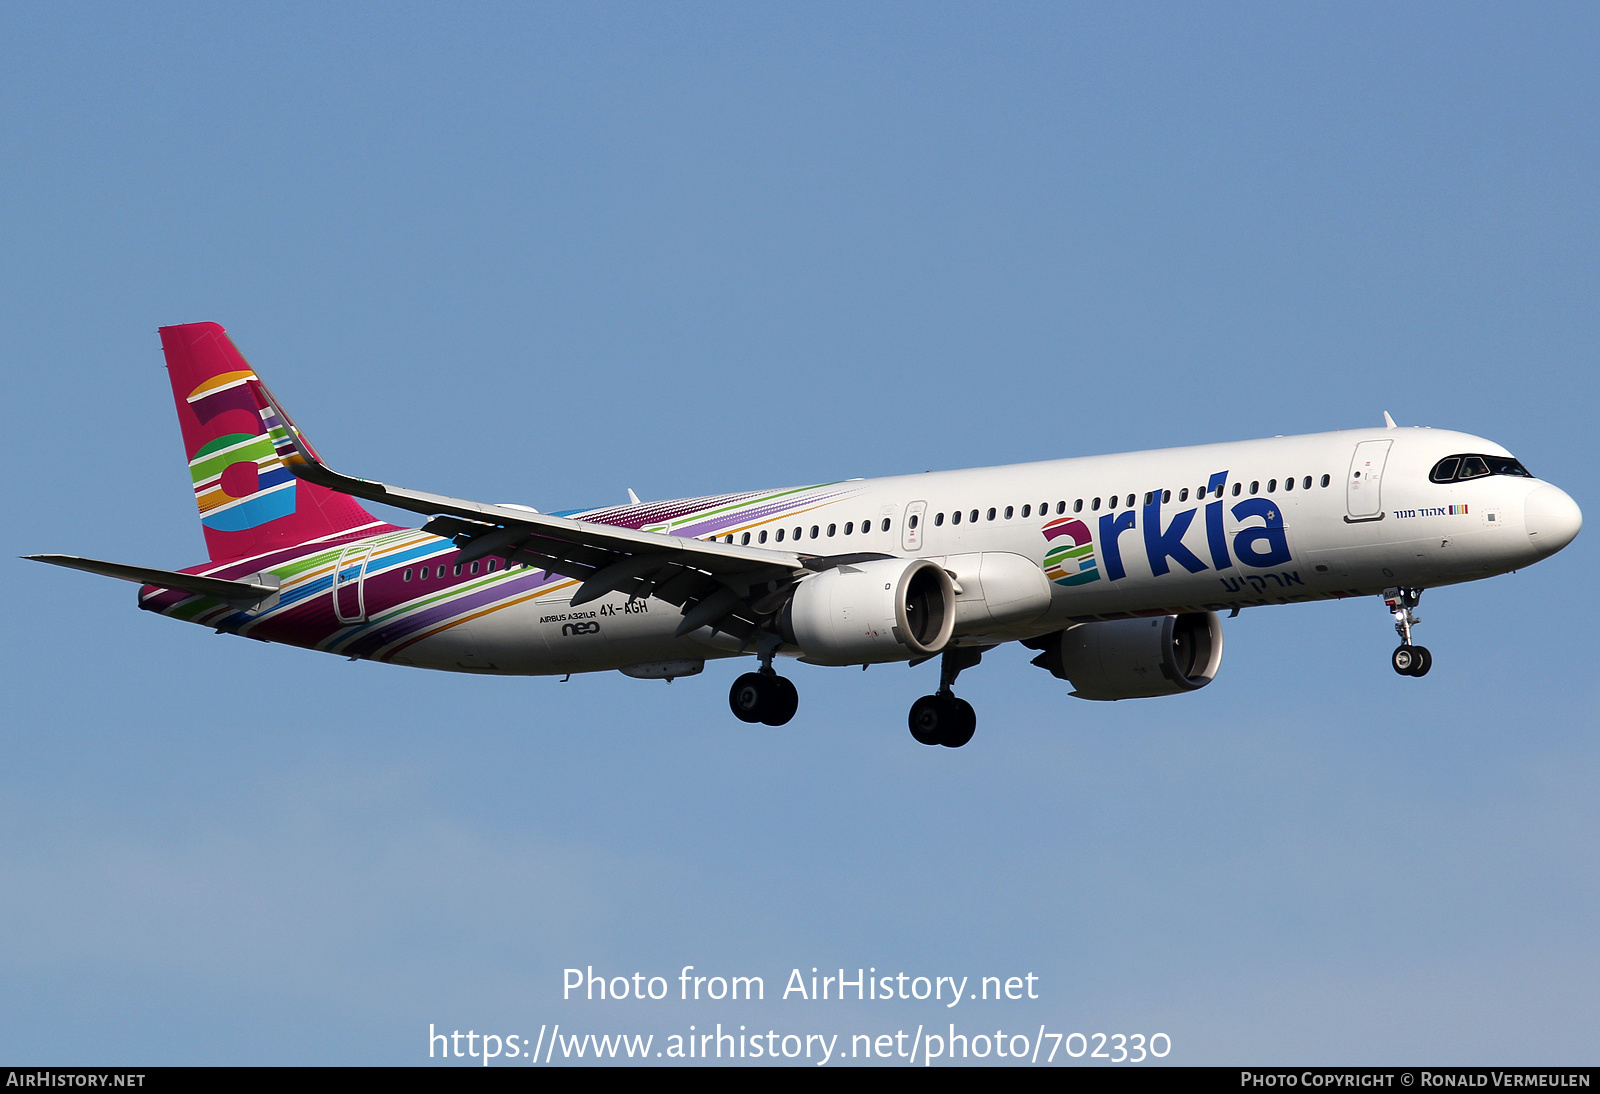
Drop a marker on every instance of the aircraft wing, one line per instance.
(730, 587)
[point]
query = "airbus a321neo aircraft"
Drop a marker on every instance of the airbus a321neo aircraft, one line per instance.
(1112, 567)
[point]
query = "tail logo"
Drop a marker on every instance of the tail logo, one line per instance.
(1072, 562)
(239, 481)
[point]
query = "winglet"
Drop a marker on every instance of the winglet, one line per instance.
(1388, 422)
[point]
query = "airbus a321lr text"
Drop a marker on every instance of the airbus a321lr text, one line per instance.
(1114, 568)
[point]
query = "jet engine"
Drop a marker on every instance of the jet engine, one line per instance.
(891, 609)
(1137, 658)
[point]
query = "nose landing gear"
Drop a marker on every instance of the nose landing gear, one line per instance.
(1407, 659)
(942, 718)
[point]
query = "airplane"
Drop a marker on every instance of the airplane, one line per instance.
(1113, 568)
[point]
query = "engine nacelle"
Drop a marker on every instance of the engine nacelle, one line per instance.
(995, 590)
(891, 609)
(1137, 658)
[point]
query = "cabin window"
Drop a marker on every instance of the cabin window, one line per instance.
(406, 576)
(1026, 509)
(1326, 479)
(474, 567)
(1095, 506)
(814, 531)
(973, 516)
(911, 522)
(490, 565)
(832, 528)
(1111, 502)
(1077, 506)
(1288, 484)
(1009, 511)
(938, 520)
(780, 535)
(1183, 495)
(762, 538)
(885, 524)
(1272, 485)
(457, 572)
(955, 518)
(849, 526)
(744, 540)
(1237, 487)
(991, 514)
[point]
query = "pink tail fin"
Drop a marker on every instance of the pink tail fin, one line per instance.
(249, 501)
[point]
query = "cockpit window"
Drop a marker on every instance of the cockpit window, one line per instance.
(1462, 467)
(1505, 465)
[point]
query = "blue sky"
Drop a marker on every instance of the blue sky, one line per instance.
(545, 254)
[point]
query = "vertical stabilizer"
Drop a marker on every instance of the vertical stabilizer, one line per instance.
(249, 501)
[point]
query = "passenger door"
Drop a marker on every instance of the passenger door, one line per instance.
(1364, 485)
(349, 583)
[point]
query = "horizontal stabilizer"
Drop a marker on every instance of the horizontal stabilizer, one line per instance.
(250, 594)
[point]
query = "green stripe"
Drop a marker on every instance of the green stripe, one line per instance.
(204, 467)
(748, 504)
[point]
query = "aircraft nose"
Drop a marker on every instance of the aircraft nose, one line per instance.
(1552, 519)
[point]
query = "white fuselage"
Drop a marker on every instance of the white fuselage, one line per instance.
(1157, 545)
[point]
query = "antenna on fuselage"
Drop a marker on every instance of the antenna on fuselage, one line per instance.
(633, 499)
(1388, 422)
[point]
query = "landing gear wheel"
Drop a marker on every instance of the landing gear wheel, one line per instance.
(763, 697)
(926, 720)
(942, 720)
(1424, 660)
(749, 697)
(962, 726)
(1404, 659)
(785, 700)
(1411, 660)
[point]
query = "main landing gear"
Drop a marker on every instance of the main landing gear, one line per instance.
(1408, 660)
(944, 719)
(764, 696)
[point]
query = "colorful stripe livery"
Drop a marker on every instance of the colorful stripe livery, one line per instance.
(249, 501)
(362, 595)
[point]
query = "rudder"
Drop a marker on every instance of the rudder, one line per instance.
(249, 501)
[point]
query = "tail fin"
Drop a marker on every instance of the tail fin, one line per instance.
(249, 502)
